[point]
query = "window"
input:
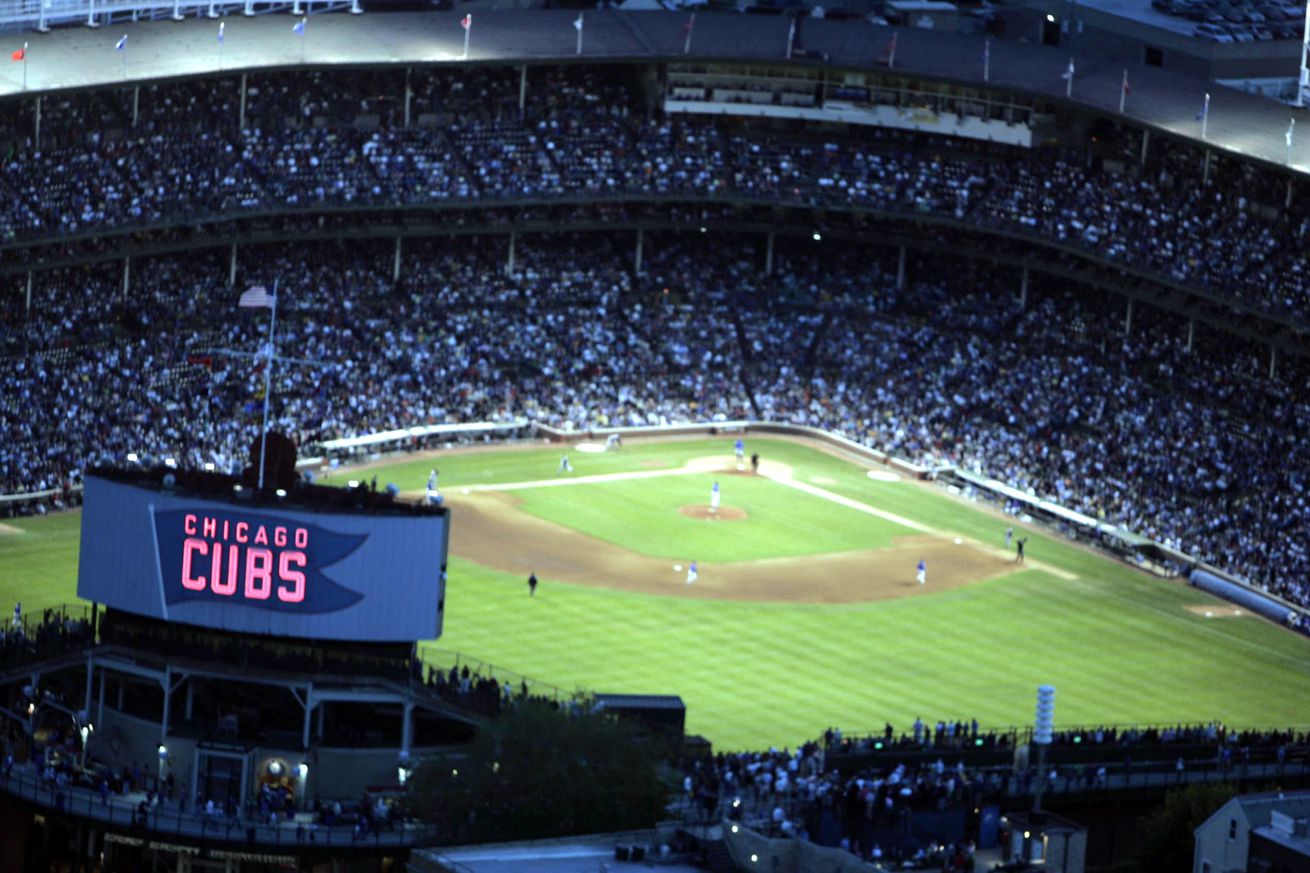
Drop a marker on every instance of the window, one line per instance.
(1154, 57)
(1232, 829)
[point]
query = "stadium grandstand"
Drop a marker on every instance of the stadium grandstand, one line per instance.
(1041, 276)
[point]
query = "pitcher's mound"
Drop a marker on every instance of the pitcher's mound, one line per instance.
(702, 510)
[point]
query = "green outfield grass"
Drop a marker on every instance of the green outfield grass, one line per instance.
(1119, 645)
(38, 567)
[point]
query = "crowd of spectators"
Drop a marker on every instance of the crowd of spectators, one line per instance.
(792, 793)
(946, 736)
(1193, 446)
(1198, 448)
(28, 638)
(184, 151)
(866, 793)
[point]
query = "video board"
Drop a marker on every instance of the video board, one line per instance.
(247, 568)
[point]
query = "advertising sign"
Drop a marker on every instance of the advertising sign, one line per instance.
(260, 569)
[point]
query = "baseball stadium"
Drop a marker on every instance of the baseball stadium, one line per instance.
(813, 398)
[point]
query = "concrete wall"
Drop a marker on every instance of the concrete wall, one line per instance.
(1067, 853)
(790, 855)
(1214, 847)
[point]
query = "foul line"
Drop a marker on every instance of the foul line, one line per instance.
(583, 480)
(782, 478)
(824, 494)
(856, 505)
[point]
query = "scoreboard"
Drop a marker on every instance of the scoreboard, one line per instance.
(319, 573)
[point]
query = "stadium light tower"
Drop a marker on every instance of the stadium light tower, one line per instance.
(1042, 737)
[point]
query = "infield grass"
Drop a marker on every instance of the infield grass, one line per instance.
(643, 515)
(1119, 645)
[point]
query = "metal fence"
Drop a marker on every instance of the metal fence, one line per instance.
(169, 819)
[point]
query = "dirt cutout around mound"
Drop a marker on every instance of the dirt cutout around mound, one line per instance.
(9, 529)
(490, 529)
(706, 512)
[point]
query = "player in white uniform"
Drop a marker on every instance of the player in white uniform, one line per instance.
(692, 575)
(564, 465)
(922, 575)
(714, 498)
(433, 492)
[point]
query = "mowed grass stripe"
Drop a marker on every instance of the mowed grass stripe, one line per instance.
(38, 567)
(643, 516)
(1119, 645)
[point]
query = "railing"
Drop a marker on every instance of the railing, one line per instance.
(168, 818)
(814, 196)
(1022, 734)
(40, 14)
(40, 636)
(444, 660)
(23, 496)
(1002, 785)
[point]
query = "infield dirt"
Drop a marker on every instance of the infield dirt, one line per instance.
(494, 532)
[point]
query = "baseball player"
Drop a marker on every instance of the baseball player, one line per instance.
(433, 493)
(692, 576)
(755, 462)
(1009, 535)
(532, 584)
(564, 465)
(18, 615)
(740, 448)
(613, 442)
(1019, 544)
(714, 498)
(922, 575)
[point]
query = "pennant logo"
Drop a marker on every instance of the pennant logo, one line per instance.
(249, 559)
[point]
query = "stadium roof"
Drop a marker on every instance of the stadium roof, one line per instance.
(81, 57)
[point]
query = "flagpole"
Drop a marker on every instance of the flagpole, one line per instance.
(1205, 115)
(891, 54)
(691, 25)
(1068, 85)
(24, 66)
(1291, 126)
(467, 31)
(1123, 93)
(791, 37)
(303, 26)
(268, 383)
(123, 64)
(987, 60)
(579, 33)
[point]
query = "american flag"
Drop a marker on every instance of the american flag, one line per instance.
(467, 21)
(256, 296)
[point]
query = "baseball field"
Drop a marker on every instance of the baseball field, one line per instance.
(805, 611)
